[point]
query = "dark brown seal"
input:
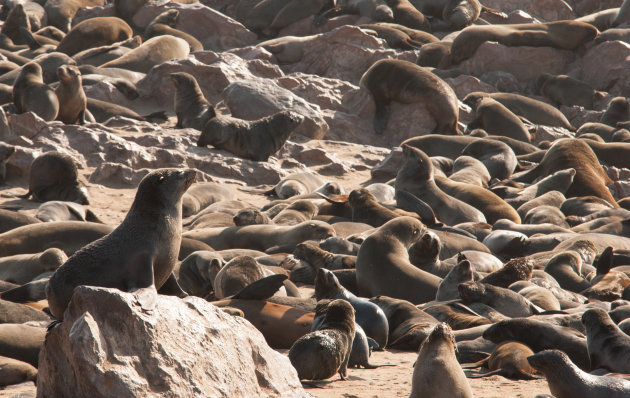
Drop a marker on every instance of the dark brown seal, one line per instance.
(565, 90)
(321, 354)
(608, 346)
(255, 140)
(568, 381)
(191, 107)
(31, 94)
(509, 359)
(139, 253)
(618, 110)
(496, 119)
(6, 151)
(54, 176)
(72, 99)
(402, 81)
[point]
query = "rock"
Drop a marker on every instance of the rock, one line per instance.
(114, 174)
(466, 84)
(502, 81)
(585, 7)
(213, 29)
(111, 344)
(27, 124)
(546, 10)
(605, 67)
(388, 167)
(578, 115)
(305, 27)
(525, 63)
(213, 71)
(547, 133)
(254, 99)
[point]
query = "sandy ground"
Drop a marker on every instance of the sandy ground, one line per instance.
(111, 205)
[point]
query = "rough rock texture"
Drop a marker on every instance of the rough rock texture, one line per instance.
(525, 63)
(547, 10)
(110, 345)
(605, 67)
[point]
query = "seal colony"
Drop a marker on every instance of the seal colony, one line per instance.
(381, 181)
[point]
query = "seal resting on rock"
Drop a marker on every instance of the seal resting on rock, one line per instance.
(322, 353)
(255, 140)
(191, 107)
(141, 252)
(402, 81)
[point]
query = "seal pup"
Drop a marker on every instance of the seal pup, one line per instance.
(139, 253)
(321, 354)
(568, 381)
(416, 177)
(436, 372)
(402, 81)
(31, 94)
(191, 107)
(72, 99)
(54, 176)
(368, 315)
(383, 265)
(608, 346)
(256, 139)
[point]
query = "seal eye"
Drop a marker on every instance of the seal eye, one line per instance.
(415, 231)
(161, 179)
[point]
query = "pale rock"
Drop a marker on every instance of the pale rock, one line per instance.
(114, 174)
(605, 67)
(305, 27)
(113, 343)
(19, 165)
(388, 167)
(525, 63)
(502, 81)
(26, 124)
(216, 31)
(578, 115)
(546, 10)
(619, 189)
(254, 99)
(344, 53)
(213, 71)
(93, 12)
(548, 133)
(466, 84)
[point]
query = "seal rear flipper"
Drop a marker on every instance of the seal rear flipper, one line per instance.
(286, 248)
(480, 375)
(261, 289)
(91, 217)
(172, 288)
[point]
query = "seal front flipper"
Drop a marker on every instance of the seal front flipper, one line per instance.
(410, 202)
(381, 114)
(261, 289)
(172, 288)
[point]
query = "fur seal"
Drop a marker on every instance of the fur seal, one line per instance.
(383, 265)
(402, 81)
(509, 359)
(129, 262)
(416, 177)
(505, 301)
(238, 273)
(72, 99)
(300, 211)
(590, 178)
(321, 354)
(407, 15)
(567, 35)
(565, 90)
(54, 176)
(191, 107)
(448, 289)
(568, 381)
(496, 119)
(6, 151)
(262, 237)
(607, 345)
(31, 94)
(618, 110)
(436, 372)
(21, 342)
(94, 32)
(498, 157)
(200, 196)
(368, 315)
(296, 184)
(152, 52)
(164, 24)
(255, 140)
(23, 268)
(13, 371)
(196, 273)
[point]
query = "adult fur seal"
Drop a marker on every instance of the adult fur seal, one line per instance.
(152, 52)
(402, 81)
(368, 315)
(568, 381)
(437, 372)
(54, 176)
(255, 140)
(72, 99)
(94, 32)
(567, 35)
(416, 177)
(565, 90)
(164, 24)
(6, 151)
(608, 346)
(31, 94)
(191, 107)
(496, 119)
(139, 253)
(383, 265)
(321, 354)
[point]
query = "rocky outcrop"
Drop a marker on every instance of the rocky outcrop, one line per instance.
(113, 343)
